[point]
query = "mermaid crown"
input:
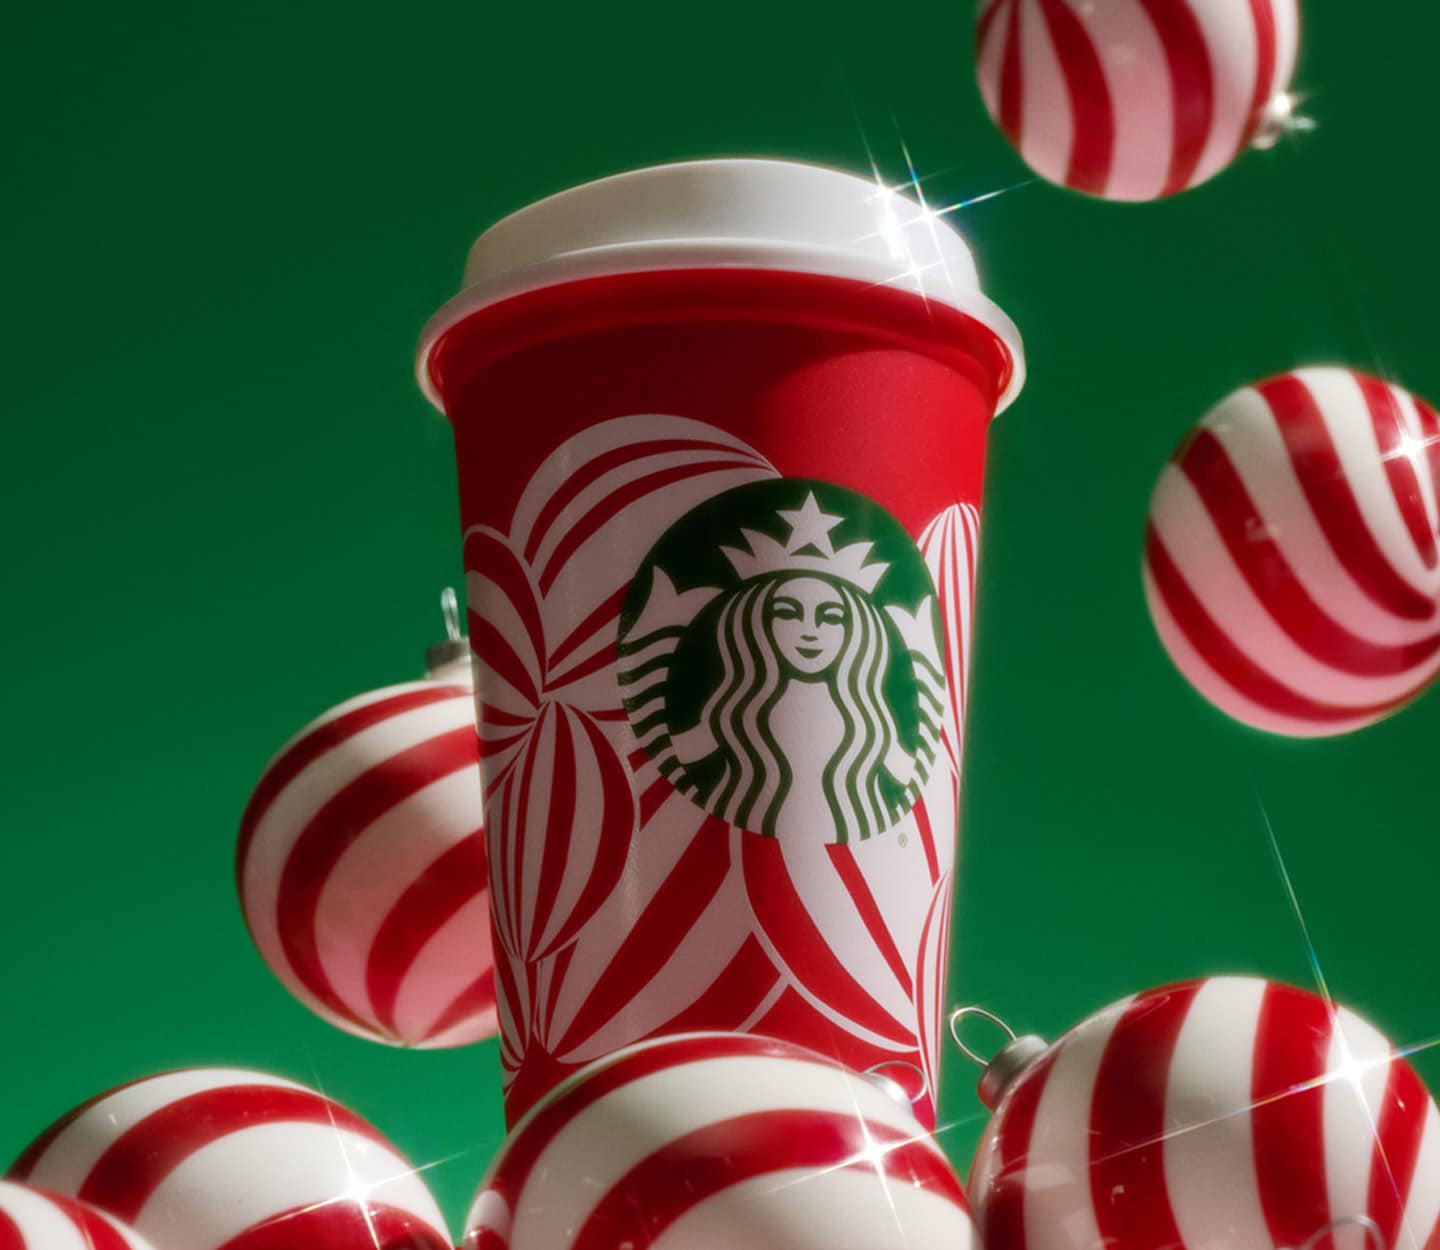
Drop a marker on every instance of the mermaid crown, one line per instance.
(809, 549)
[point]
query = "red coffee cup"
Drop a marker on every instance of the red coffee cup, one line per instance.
(720, 429)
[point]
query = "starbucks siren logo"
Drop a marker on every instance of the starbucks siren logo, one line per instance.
(780, 661)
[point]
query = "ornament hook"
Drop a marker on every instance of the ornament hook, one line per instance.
(450, 610)
(1373, 1234)
(1005, 1064)
(876, 1072)
(449, 660)
(964, 1013)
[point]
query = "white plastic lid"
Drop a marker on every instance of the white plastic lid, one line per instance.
(750, 214)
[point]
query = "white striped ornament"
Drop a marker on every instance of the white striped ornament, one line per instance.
(1134, 99)
(361, 868)
(719, 1142)
(1217, 1113)
(1292, 557)
(222, 1159)
(33, 1219)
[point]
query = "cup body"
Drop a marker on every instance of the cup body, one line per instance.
(720, 527)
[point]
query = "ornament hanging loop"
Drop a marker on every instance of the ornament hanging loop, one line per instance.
(961, 1014)
(450, 610)
(449, 660)
(1007, 1063)
(878, 1073)
(1373, 1236)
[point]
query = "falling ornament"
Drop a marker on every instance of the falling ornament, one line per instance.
(361, 861)
(720, 1141)
(224, 1159)
(33, 1219)
(1292, 557)
(1231, 1111)
(1136, 99)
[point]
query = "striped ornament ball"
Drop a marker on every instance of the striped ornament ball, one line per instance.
(1227, 1112)
(33, 1219)
(222, 1159)
(719, 1141)
(361, 867)
(1292, 557)
(1136, 99)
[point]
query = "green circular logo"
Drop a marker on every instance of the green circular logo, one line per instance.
(780, 661)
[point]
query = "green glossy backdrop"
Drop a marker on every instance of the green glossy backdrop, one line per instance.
(225, 506)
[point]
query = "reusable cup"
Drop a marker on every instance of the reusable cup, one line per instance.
(720, 430)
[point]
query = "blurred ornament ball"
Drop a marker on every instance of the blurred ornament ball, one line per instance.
(31, 1219)
(1136, 99)
(221, 1159)
(1223, 1112)
(719, 1141)
(361, 866)
(1291, 554)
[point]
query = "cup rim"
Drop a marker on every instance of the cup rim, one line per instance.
(780, 216)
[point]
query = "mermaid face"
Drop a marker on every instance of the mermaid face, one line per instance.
(809, 622)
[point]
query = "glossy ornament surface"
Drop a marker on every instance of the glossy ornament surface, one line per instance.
(1230, 1111)
(719, 1142)
(1135, 99)
(33, 1219)
(1291, 563)
(222, 1159)
(361, 867)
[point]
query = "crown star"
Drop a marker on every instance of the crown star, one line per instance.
(810, 549)
(810, 527)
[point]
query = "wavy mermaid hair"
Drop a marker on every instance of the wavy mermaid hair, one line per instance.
(755, 778)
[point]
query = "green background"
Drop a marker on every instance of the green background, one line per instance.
(226, 508)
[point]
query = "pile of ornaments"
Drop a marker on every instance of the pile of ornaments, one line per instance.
(1291, 569)
(1225, 1112)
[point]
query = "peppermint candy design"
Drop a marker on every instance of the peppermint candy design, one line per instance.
(220, 1159)
(31, 1219)
(1291, 557)
(931, 968)
(1134, 99)
(1228, 1111)
(629, 908)
(361, 868)
(951, 547)
(716, 1141)
(583, 966)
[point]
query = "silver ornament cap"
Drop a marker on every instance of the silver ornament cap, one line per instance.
(1011, 1060)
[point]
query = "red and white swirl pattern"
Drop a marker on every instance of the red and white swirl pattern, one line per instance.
(718, 1142)
(617, 910)
(221, 1159)
(951, 547)
(361, 867)
(1133, 99)
(1291, 558)
(624, 909)
(1224, 1112)
(32, 1219)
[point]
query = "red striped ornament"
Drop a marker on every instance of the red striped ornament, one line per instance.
(32, 1219)
(710, 1141)
(220, 1159)
(362, 873)
(1291, 562)
(1223, 1112)
(1135, 99)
